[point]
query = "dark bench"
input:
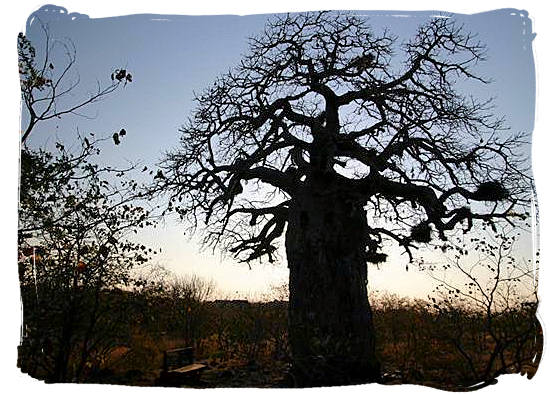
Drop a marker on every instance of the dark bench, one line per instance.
(179, 367)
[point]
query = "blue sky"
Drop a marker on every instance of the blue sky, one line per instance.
(172, 56)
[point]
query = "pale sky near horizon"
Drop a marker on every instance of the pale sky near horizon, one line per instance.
(172, 56)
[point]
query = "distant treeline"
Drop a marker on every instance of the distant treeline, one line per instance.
(445, 346)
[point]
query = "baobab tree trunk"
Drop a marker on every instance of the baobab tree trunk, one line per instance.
(331, 330)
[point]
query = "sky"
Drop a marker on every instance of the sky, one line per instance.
(170, 57)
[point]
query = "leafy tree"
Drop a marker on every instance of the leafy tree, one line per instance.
(74, 216)
(73, 224)
(344, 143)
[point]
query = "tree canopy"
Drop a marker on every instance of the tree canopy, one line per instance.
(321, 99)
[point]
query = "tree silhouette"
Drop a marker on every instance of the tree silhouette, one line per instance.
(500, 289)
(329, 136)
(74, 219)
(44, 86)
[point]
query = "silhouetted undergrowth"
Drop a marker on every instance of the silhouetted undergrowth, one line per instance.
(245, 343)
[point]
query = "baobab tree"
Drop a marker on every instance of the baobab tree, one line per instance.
(343, 144)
